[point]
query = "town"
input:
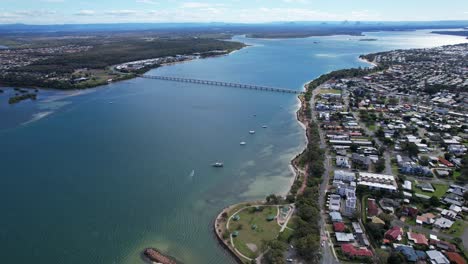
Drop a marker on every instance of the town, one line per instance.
(396, 158)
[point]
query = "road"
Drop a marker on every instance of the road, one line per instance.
(328, 255)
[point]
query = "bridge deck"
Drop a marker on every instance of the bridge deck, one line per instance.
(228, 84)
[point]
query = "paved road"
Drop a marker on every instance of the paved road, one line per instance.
(328, 255)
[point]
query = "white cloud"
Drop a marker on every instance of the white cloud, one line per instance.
(195, 5)
(149, 2)
(296, 1)
(123, 12)
(85, 13)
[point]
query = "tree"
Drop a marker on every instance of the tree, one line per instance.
(275, 254)
(396, 258)
(434, 201)
(424, 160)
(463, 178)
(380, 165)
(354, 147)
(412, 149)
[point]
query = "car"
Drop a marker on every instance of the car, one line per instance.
(323, 243)
(289, 260)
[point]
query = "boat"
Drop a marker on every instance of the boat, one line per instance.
(192, 173)
(218, 165)
(243, 143)
(252, 131)
(264, 126)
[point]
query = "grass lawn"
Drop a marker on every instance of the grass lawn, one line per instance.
(440, 190)
(293, 222)
(456, 174)
(264, 231)
(371, 127)
(457, 229)
(330, 91)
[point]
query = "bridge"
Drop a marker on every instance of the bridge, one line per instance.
(226, 84)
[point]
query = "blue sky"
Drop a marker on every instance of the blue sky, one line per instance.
(109, 11)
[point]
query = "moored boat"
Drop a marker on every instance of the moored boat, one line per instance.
(218, 165)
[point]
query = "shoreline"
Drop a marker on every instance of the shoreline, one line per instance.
(218, 227)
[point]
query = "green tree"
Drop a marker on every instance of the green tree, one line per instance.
(434, 201)
(380, 165)
(412, 149)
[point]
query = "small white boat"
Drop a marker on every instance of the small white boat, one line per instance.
(252, 132)
(243, 143)
(264, 126)
(218, 165)
(111, 102)
(192, 174)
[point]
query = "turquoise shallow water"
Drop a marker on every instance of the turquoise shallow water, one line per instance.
(89, 181)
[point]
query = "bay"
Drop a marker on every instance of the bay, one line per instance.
(98, 175)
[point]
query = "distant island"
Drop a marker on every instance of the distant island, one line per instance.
(368, 39)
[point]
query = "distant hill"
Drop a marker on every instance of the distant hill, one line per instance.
(299, 28)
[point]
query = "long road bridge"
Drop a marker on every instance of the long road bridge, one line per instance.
(226, 84)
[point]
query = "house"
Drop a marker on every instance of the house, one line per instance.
(449, 214)
(377, 181)
(342, 162)
(394, 233)
(357, 228)
(344, 176)
(443, 223)
(418, 239)
(456, 189)
(427, 219)
(372, 209)
(336, 217)
(454, 199)
(344, 237)
(407, 185)
(409, 211)
(410, 254)
(436, 257)
(350, 206)
(361, 161)
(351, 251)
(334, 203)
(456, 209)
(427, 187)
(443, 245)
(455, 258)
(339, 227)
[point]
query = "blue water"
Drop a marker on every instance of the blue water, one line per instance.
(85, 180)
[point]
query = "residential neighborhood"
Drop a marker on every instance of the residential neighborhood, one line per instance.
(397, 141)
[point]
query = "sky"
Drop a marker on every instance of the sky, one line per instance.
(245, 11)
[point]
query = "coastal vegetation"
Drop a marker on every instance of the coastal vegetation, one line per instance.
(58, 63)
(20, 97)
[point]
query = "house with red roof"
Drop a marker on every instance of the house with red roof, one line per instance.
(372, 209)
(394, 234)
(445, 162)
(455, 258)
(351, 251)
(418, 239)
(443, 245)
(339, 227)
(409, 211)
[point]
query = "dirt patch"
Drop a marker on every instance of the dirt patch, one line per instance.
(252, 247)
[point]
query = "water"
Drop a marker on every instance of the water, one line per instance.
(87, 181)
